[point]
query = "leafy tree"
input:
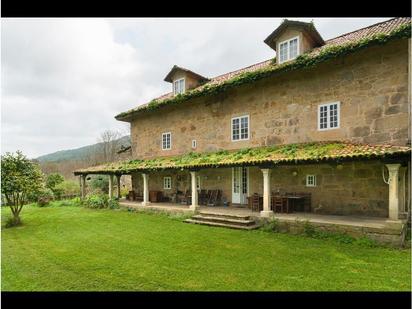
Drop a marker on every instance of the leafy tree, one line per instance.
(52, 181)
(99, 183)
(20, 179)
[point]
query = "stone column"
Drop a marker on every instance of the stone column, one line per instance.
(266, 212)
(145, 190)
(402, 191)
(118, 186)
(393, 191)
(195, 202)
(83, 185)
(111, 186)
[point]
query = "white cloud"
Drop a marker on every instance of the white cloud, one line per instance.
(64, 80)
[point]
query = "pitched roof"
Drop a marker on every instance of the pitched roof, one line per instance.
(274, 155)
(308, 28)
(175, 68)
(385, 28)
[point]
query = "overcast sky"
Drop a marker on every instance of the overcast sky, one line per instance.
(64, 80)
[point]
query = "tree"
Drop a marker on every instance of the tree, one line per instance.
(109, 144)
(20, 179)
(52, 181)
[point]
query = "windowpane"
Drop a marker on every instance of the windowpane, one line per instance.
(235, 128)
(166, 141)
(244, 128)
(293, 48)
(283, 52)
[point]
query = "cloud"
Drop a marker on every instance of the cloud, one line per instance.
(64, 80)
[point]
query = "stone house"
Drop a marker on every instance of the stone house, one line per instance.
(330, 118)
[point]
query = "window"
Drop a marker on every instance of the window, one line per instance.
(167, 183)
(194, 144)
(288, 50)
(179, 86)
(166, 141)
(328, 116)
(240, 128)
(310, 180)
(198, 182)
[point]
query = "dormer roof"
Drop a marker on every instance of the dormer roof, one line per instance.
(307, 28)
(176, 68)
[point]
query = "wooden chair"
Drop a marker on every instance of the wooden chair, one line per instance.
(186, 199)
(279, 203)
(203, 197)
(212, 198)
(255, 202)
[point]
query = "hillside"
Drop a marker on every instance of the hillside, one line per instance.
(78, 153)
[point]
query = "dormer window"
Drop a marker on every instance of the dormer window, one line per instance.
(288, 49)
(179, 86)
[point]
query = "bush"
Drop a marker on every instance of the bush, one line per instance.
(100, 201)
(44, 197)
(11, 222)
(67, 187)
(271, 226)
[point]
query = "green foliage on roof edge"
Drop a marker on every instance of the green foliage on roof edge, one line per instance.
(312, 151)
(301, 62)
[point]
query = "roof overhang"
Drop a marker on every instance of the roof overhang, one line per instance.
(290, 154)
(176, 68)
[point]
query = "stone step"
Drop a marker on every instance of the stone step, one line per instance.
(223, 220)
(222, 215)
(232, 226)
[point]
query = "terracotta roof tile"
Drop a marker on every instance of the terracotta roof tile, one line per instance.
(383, 27)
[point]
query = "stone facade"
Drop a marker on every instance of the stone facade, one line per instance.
(353, 188)
(371, 86)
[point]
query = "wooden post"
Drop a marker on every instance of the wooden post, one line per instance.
(118, 185)
(83, 185)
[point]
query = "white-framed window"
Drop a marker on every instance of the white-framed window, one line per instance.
(198, 182)
(240, 128)
(166, 141)
(194, 144)
(288, 49)
(179, 86)
(329, 116)
(310, 180)
(167, 183)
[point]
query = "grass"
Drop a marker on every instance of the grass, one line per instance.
(69, 248)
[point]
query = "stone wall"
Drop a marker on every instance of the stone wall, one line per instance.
(354, 188)
(372, 86)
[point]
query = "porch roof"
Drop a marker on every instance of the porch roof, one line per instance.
(262, 156)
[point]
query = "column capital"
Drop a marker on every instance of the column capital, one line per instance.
(393, 167)
(265, 170)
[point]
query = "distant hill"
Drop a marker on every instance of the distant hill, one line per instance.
(78, 153)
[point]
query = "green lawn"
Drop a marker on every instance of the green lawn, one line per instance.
(73, 248)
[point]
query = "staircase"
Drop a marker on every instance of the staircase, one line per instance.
(241, 222)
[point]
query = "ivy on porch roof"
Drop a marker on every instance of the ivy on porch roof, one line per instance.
(271, 155)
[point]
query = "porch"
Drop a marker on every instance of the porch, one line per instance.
(382, 230)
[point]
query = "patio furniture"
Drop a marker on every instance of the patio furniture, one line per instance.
(292, 199)
(203, 197)
(279, 203)
(186, 199)
(214, 198)
(255, 202)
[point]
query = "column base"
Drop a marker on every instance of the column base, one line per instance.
(266, 213)
(194, 207)
(145, 203)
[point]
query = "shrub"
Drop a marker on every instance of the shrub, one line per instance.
(99, 183)
(44, 197)
(100, 201)
(52, 181)
(67, 187)
(11, 222)
(271, 226)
